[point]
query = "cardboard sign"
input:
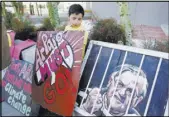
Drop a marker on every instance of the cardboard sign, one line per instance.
(123, 81)
(29, 54)
(16, 86)
(58, 62)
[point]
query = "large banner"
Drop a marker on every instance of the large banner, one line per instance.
(16, 86)
(123, 81)
(57, 65)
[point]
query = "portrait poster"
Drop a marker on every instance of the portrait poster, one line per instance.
(58, 60)
(119, 80)
(16, 86)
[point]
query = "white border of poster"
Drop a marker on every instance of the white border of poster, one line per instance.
(160, 55)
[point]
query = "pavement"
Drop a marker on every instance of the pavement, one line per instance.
(8, 110)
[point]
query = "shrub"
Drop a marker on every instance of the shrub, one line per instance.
(25, 33)
(156, 45)
(61, 28)
(17, 25)
(47, 24)
(8, 20)
(108, 30)
(23, 29)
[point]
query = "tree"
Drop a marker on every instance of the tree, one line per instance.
(3, 9)
(37, 8)
(40, 6)
(53, 13)
(125, 21)
(19, 11)
(31, 7)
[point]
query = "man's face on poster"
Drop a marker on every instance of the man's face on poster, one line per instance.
(122, 95)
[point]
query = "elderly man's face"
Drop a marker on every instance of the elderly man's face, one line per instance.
(123, 92)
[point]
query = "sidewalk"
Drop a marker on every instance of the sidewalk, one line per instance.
(7, 110)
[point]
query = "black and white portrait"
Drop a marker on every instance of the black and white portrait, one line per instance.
(116, 82)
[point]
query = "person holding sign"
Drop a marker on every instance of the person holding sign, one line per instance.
(76, 14)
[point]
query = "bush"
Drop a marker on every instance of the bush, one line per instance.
(47, 24)
(156, 45)
(25, 33)
(42, 28)
(17, 25)
(8, 20)
(23, 29)
(61, 28)
(108, 30)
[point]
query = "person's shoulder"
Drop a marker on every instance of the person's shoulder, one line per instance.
(82, 27)
(68, 27)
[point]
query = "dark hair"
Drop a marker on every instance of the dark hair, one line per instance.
(76, 8)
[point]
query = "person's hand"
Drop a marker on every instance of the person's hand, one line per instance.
(91, 99)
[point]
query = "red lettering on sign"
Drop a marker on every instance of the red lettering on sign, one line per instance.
(18, 82)
(65, 84)
(10, 77)
(58, 59)
(62, 80)
(27, 88)
(49, 93)
(67, 73)
(64, 48)
(16, 67)
(52, 63)
(45, 72)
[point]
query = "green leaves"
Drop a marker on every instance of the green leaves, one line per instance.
(18, 7)
(108, 30)
(125, 21)
(53, 13)
(47, 24)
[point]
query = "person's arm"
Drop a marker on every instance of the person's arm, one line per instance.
(67, 28)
